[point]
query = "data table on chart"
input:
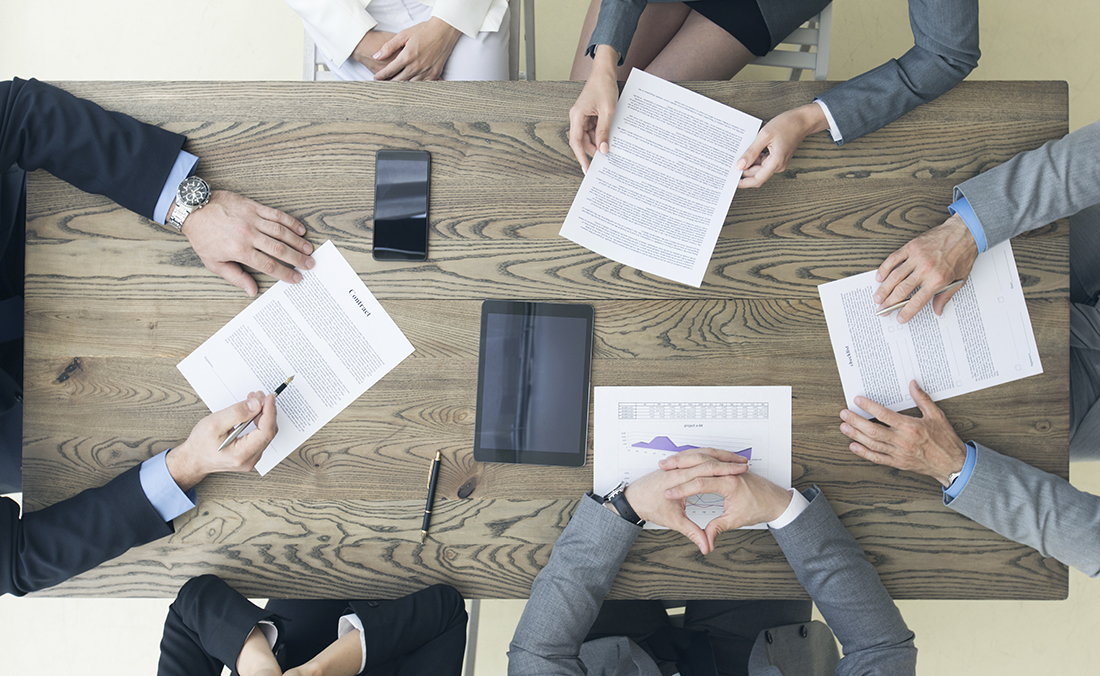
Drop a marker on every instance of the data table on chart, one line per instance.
(637, 427)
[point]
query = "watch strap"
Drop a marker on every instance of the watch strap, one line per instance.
(618, 499)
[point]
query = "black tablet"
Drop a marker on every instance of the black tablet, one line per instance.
(534, 376)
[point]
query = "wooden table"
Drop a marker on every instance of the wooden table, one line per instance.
(114, 302)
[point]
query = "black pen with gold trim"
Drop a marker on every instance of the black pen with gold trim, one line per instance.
(433, 479)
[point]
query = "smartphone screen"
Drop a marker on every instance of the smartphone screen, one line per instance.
(401, 205)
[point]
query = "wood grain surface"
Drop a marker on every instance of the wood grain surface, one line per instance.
(114, 302)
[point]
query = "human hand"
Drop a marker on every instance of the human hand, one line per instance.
(372, 42)
(781, 136)
(195, 459)
(647, 496)
(418, 52)
(232, 230)
(590, 117)
(256, 658)
(925, 445)
(749, 498)
(926, 264)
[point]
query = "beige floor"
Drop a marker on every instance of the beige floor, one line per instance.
(261, 39)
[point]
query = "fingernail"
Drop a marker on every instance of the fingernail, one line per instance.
(297, 277)
(308, 247)
(603, 147)
(740, 165)
(844, 414)
(310, 263)
(877, 298)
(253, 405)
(844, 428)
(377, 55)
(878, 276)
(302, 231)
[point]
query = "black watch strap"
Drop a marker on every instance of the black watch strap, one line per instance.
(617, 498)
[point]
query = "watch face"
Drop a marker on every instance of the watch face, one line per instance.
(193, 191)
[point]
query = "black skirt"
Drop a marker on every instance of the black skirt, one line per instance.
(741, 19)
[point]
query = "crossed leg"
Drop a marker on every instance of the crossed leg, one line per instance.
(673, 42)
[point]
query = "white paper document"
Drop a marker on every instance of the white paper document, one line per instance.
(984, 337)
(636, 427)
(658, 199)
(327, 331)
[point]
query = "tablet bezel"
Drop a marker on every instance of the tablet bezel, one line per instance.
(507, 307)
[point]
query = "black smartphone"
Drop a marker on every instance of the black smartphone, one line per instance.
(401, 205)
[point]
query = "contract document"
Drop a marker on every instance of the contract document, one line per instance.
(636, 427)
(984, 337)
(658, 199)
(327, 331)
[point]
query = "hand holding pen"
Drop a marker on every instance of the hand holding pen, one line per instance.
(236, 431)
(191, 461)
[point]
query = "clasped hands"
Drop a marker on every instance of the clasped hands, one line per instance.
(661, 496)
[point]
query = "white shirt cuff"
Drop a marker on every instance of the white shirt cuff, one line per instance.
(834, 130)
(184, 167)
(270, 632)
(162, 490)
(347, 623)
(799, 503)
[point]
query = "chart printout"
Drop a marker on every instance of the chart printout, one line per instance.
(328, 331)
(636, 427)
(984, 337)
(659, 198)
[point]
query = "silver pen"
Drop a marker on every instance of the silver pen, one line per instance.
(897, 306)
(239, 428)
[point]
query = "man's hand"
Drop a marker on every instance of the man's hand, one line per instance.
(590, 117)
(927, 264)
(925, 445)
(781, 136)
(232, 230)
(418, 52)
(647, 496)
(195, 459)
(749, 498)
(372, 42)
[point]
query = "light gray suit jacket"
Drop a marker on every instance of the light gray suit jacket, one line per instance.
(945, 50)
(567, 595)
(1037, 187)
(1057, 180)
(1036, 508)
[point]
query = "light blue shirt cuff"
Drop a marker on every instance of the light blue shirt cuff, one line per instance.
(184, 167)
(162, 490)
(953, 491)
(966, 212)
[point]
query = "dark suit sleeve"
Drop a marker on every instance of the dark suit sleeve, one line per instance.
(43, 127)
(945, 50)
(53, 544)
(846, 588)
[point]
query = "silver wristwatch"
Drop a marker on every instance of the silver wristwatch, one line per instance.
(193, 193)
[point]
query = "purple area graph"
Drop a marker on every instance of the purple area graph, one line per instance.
(666, 444)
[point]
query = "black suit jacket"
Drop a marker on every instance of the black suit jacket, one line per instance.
(53, 544)
(43, 127)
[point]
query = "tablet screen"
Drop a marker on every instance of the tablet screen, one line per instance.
(533, 383)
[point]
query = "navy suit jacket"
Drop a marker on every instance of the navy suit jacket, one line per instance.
(43, 127)
(53, 544)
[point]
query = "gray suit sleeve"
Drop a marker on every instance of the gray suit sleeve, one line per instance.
(568, 593)
(616, 25)
(945, 50)
(1033, 507)
(846, 588)
(1037, 187)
